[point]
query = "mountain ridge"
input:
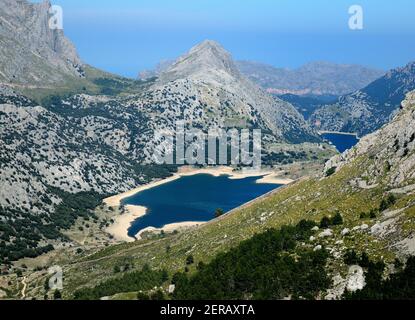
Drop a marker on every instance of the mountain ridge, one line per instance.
(204, 58)
(314, 78)
(368, 109)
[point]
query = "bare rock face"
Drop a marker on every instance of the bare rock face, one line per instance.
(208, 61)
(31, 52)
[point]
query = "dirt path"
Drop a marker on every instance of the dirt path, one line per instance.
(24, 288)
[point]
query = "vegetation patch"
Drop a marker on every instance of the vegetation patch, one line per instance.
(271, 265)
(146, 279)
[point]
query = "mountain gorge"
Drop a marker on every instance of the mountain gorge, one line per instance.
(368, 109)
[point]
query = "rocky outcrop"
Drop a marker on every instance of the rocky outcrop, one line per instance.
(31, 53)
(389, 152)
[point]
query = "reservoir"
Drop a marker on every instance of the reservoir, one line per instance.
(342, 141)
(193, 198)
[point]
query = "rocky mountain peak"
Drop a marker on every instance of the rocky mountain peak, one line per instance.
(205, 60)
(207, 82)
(210, 50)
(407, 72)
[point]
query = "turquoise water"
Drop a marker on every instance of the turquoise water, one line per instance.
(342, 142)
(193, 198)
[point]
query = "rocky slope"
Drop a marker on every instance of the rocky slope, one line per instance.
(366, 110)
(57, 161)
(208, 84)
(32, 54)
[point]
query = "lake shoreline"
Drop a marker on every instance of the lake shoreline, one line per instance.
(338, 132)
(341, 140)
(322, 133)
(119, 229)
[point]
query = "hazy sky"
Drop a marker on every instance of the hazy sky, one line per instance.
(126, 36)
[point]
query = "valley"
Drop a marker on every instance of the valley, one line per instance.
(366, 110)
(206, 178)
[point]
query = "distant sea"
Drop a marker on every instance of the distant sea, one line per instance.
(341, 141)
(193, 198)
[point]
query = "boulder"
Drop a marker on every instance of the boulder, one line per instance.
(326, 233)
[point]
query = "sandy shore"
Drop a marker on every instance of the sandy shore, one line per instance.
(119, 229)
(171, 227)
(275, 179)
(123, 222)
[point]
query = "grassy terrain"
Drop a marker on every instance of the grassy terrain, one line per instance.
(306, 199)
(309, 198)
(95, 82)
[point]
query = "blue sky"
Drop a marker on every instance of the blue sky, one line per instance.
(126, 36)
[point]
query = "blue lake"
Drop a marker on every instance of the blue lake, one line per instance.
(342, 142)
(193, 198)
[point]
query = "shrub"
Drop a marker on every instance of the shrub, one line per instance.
(351, 258)
(57, 295)
(325, 222)
(143, 296)
(337, 219)
(219, 212)
(331, 171)
(157, 296)
(387, 203)
(190, 260)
